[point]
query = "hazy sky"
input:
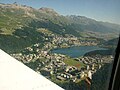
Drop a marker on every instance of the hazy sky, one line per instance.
(103, 10)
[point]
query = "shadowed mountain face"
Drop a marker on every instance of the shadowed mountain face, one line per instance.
(19, 25)
(111, 46)
(111, 43)
(101, 78)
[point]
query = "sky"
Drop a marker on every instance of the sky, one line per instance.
(101, 10)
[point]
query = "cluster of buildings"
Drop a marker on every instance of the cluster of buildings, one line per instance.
(95, 62)
(52, 65)
(59, 41)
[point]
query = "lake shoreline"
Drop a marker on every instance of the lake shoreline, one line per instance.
(76, 51)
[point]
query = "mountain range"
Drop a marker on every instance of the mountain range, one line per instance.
(20, 26)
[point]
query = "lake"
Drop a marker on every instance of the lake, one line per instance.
(76, 51)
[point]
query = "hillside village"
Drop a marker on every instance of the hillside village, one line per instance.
(29, 35)
(58, 67)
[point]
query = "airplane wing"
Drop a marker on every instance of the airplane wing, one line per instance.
(16, 76)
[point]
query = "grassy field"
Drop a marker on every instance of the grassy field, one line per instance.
(72, 62)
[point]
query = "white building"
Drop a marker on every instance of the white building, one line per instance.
(89, 74)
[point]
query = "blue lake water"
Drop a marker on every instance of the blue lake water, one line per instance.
(76, 51)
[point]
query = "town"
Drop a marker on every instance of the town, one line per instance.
(59, 67)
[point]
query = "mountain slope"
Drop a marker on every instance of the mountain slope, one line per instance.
(19, 26)
(101, 78)
(19, 15)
